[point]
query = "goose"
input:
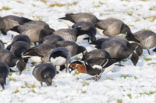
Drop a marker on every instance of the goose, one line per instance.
(67, 34)
(112, 27)
(4, 72)
(35, 30)
(73, 48)
(43, 50)
(21, 37)
(18, 48)
(44, 72)
(78, 17)
(60, 57)
(147, 39)
(86, 28)
(10, 21)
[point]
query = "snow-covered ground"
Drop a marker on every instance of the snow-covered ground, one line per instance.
(127, 84)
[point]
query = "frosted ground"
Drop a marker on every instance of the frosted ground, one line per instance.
(128, 84)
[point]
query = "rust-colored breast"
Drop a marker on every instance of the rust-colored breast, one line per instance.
(81, 68)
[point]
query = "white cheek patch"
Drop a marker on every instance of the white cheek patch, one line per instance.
(97, 67)
(58, 61)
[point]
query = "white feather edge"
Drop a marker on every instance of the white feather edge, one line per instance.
(58, 61)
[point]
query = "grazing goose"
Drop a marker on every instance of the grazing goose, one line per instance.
(35, 30)
(147, 39)
(113, 26)
(10, 21)
(4, 72)
(18, 48)
(60, 57)
(98, 43)
(67, 34)
(52, 39)
(86, 28)
(21, 37)
(95, 63)
(73, 48)
(78, 17)
(44, 72)
(8, 57)
(120, 50)
(43, 51)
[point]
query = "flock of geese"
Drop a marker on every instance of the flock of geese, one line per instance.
(56, 47)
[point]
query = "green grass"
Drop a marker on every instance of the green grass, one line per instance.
(147, 59)
(148, 93)
(130, 96)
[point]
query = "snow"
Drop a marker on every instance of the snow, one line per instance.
(127, 84)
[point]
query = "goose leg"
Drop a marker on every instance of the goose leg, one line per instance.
(41, 84)
(148, 52)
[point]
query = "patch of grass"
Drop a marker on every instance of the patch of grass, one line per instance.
(12, 79)
(84, 83)
(135, 77)
(33, 63)
(75, 73)
(147, 59)
(101, 3)
(150, 18)
(147, 93)
(32, 90)
(125, 76)
(119, 101)
(83, 91)
(10, 74)
(153, 63)
(96, 6)
(77, 78)
(62, 5)
(22, 86)
(16, 91)
(152, 8)
(130, 96)
(26, 85)
(44, 1)
(130, 13)
(19, 1)
(108, 78)
(6, 8)
(37, 17)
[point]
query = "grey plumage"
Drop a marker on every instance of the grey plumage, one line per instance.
(67, 34)
(35, 30)
(10, 21)
(18, 48)
(1, 45)
(52, 39)
(119, 50)
(8, 57)
(86, 28)
(78, 17)
(147, 39)
(43, 51)
(44, 72)
(113, 26)
(4, 72)
(73, 48)
(21, 37)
